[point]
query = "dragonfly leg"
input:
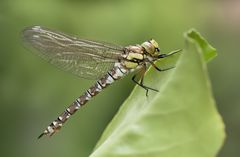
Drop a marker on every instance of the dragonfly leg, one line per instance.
(169, 54)
(158, 69)
(141, 81)
(163, 56)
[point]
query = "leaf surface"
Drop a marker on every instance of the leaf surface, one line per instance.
(181, 120)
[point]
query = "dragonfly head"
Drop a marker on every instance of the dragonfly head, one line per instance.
(151, 47)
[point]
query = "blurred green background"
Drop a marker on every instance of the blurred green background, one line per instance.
(33, 93)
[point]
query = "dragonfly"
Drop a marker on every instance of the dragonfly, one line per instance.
(100, 61)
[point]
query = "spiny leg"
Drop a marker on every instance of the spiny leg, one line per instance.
(143, 86)
(164, 56)
(157, 68)
(169, 54)
(142, 72)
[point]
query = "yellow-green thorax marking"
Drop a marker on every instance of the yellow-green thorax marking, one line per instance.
(135, 56)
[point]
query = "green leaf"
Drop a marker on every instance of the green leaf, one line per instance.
(202, 45)
(179, 120)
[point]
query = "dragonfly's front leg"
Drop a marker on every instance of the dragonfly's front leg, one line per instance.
(169, 54)
(141, 74)
(144, 68)
(163, 56)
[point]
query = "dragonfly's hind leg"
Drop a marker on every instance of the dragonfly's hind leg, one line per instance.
(142, 72)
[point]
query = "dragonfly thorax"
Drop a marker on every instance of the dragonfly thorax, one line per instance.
(151, 48)
(137, 55)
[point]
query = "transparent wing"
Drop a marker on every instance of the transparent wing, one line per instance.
(85, 58)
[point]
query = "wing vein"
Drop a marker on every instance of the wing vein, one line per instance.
(84, 58)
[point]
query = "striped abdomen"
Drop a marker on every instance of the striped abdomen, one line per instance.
(116, 73)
